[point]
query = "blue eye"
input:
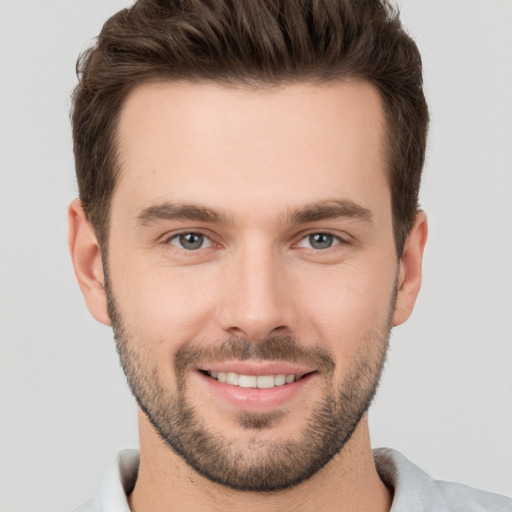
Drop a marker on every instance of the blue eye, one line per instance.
(190, 241)
(319, 241)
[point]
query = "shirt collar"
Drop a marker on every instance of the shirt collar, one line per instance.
(118, 481)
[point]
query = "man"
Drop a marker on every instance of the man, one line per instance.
(248, 224)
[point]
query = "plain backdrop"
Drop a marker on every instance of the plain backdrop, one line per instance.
(445, 400)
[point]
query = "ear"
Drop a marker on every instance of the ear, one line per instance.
(411, 263)
(86, 256)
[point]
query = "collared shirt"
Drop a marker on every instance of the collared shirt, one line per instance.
(414, 490)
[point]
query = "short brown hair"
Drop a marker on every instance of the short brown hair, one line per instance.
(251, 42)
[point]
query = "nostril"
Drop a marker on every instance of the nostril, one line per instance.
(237, 332)
(279, 330)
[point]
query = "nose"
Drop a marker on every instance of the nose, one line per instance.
(257, 299)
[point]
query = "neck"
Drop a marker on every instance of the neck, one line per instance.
(166, 483)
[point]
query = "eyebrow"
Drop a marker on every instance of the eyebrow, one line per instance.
(328, 209)
(169, 211)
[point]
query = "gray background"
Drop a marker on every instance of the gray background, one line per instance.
(445, 400)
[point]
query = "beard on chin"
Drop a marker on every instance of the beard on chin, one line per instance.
(257, 464)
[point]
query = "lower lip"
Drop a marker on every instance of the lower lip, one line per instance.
(255, 399)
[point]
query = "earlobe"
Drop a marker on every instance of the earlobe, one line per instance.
(87, 261)
(410, 271)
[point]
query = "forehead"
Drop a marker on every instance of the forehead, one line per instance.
(292, 143)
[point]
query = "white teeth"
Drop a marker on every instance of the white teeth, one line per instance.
(253, 381)
(265, 381)
(247, 381)
(281, 379)
(232, 378)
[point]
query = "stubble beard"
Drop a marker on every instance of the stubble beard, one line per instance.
(259, 465)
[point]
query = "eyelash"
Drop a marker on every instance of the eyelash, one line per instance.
(335, 240)
(178, 236)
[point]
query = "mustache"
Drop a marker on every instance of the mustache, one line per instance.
(275, 348)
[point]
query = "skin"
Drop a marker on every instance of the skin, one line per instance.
(253, 156)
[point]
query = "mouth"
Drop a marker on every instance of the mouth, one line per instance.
(256, 386)
(255, 381)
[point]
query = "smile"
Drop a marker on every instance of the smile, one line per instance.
(256, 387)
(254, 381)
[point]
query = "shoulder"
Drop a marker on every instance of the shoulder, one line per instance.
(416, 490)
(118, 481)
(457, 495)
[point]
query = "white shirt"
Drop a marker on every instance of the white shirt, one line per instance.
(414, 490)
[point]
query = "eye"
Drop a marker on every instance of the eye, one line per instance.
(319, 241)
(190, 241)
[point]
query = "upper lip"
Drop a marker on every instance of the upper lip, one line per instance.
(257, 368)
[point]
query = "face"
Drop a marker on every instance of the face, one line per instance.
(252, 272)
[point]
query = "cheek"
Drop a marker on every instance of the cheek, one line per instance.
(161, 305)
(347, 305)
(336, 305)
